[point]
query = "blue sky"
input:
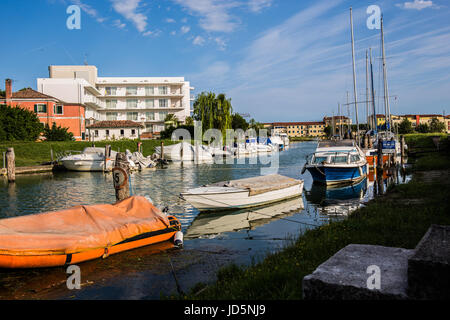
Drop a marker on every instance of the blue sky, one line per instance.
(279, 60)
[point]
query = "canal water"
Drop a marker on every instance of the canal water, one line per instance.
(212, 240)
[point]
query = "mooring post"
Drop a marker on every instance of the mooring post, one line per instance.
(107, 157)
(402, 148)
(162, 150)
(380, 156)
(11, 165)
(120, 173)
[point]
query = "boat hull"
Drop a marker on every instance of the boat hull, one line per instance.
(86, 165)
(332, 175)
(240, 199)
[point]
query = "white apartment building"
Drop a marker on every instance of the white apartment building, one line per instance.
(146, 100)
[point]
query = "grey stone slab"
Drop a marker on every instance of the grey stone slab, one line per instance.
(429, 267)
(344, 276)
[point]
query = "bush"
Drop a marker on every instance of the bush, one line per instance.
(167, 133)
(57, 133)
(18, 124)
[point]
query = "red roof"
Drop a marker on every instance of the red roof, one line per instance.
(31, 94)
(115, 124)
(297, 123)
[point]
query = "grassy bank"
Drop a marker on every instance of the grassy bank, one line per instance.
(293, 139)
(397, 219)
(35, 153)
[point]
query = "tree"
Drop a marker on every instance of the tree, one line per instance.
(405, 127)
(328, 131)
(253, 124)
(213, 112)
(189, 121)
(57, 133)
(238, 122)
(171, 120)
(17, 123)
(436, 125)
(423, 128)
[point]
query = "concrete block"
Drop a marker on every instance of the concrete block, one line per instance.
(345, 275)
(429, 267)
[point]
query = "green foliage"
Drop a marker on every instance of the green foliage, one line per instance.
(328, 131)
(238, 122)
(171, 120)
(18, 124)
(213, 111)
(189, 121)
(57, 133)
(437, 126)
(253, 124)
(167, 133)
(423, 128)
(405, 127)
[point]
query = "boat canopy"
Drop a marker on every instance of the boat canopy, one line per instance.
(80, 228)
(261, 184)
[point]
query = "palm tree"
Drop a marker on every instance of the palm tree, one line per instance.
(171, 120)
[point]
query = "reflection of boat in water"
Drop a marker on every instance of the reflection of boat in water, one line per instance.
(244, 193)
(228, 221)
(341, 200)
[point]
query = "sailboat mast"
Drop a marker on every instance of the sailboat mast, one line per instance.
(367, 90)
(386, 91)
(354, 78)
(375, 122)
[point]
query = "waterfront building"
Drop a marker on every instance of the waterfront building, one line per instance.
(48, 108)
(146, 100)
(298, 129)
(337, 121)
(114, 130)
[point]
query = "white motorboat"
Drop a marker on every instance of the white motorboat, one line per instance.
(185, 152)
(244, 193)
(91, 159)
(211, 224)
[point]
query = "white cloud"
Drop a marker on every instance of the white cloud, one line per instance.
(416, 5)
(128, 9)
(258, 5)
(117, 23)
(221, 43)
(89, 10)
(214, 14)
(185, 29)
(198, 41)
(173, 33)
(170, 20)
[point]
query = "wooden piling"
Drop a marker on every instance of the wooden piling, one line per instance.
(11, 165)
(121, 172)
(107, 157)
(402, 148)
(162, 150)
(380, 156)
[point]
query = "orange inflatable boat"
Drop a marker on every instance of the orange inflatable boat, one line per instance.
(82, 233)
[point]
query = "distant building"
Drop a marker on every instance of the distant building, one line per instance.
(337, 120)
(114, 130)
(48, 109)
(146, 100)
(298, 129)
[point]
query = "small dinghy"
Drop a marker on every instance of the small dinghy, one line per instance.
(82, 233)
(244, 193)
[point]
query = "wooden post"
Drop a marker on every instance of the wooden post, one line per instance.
(107, 157)
(51, 154)
(162, 150)
(11, 165)
(380, 156)
(402, 148)
(121, 172)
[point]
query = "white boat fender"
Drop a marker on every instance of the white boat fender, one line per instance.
(304, 168)
(178, 239)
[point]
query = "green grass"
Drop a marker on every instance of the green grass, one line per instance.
(397, 219)
(422, 140)
(35, 153)
(301, 138)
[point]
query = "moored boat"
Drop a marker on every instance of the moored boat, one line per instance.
(244, 193)
(82, 233)
(337, 162)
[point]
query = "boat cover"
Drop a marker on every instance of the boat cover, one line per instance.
(261, 184)
(80, 228)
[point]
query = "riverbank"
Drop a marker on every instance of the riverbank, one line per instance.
(399, 218)
(36, 153)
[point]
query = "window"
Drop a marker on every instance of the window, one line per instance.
(163, 103)
(112, 104)
(131, 91)
(149, 127)
(111, 116)
(111, 91)
(122, 132)
(58, 109)
(132, 103)
(149, 103)
(133, 132)
(107, 133)
(133, 116)
(162, 90)
(149, 91)
(150, 116)
(40, 108)
(163, 115)
(96, 133)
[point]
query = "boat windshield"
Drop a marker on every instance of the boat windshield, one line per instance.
(355, 158)
(339, 159)
(320, 159)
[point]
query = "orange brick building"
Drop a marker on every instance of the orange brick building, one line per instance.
(48, 109)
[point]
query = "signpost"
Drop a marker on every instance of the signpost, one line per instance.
(388, 147)
(120, 175)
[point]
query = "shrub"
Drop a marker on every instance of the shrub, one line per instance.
(18, 124)
(57, 133)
